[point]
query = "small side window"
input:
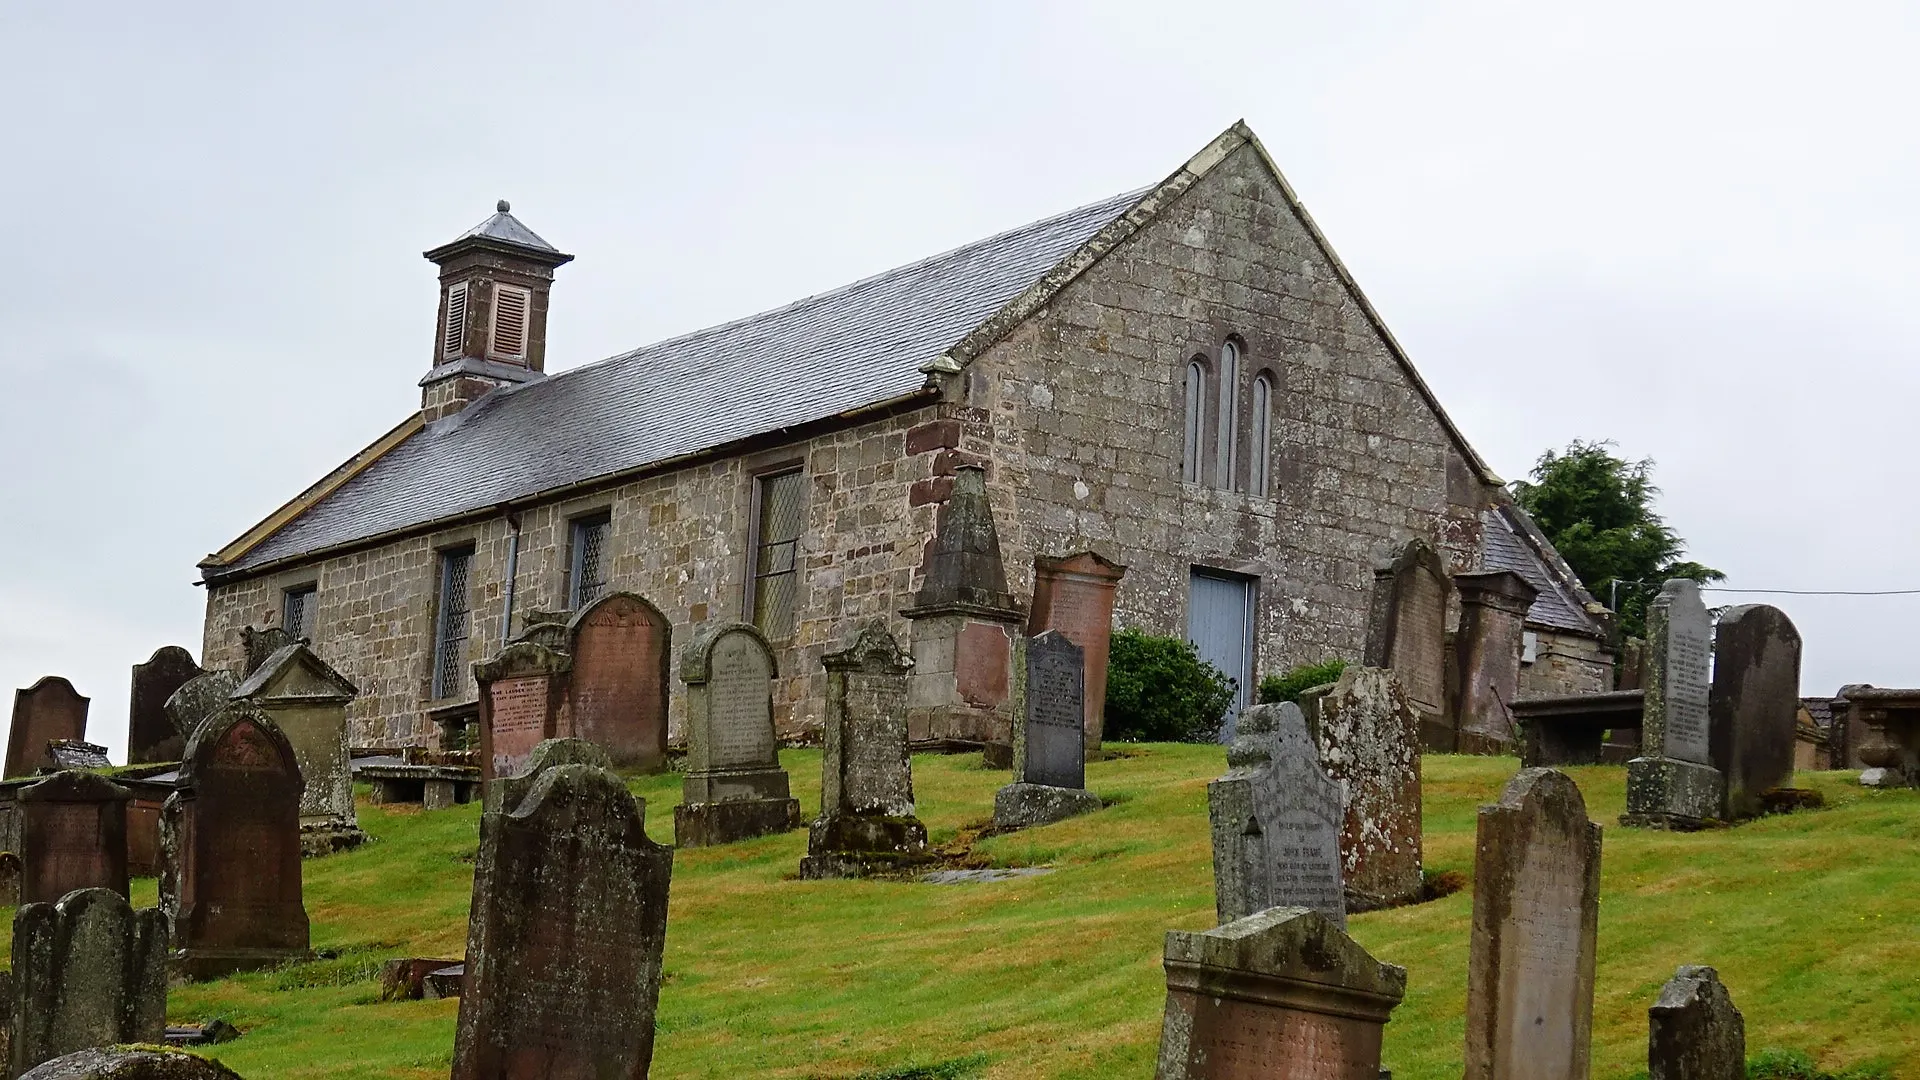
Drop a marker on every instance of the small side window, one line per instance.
(1260, 435)
(296, 611)
(587, 577)
(453, 625)
(1227, 434)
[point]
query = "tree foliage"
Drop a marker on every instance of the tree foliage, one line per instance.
(1597, 509)
(1159, 690)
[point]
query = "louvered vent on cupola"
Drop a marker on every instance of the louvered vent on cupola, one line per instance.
(453, 336)
(510, 309)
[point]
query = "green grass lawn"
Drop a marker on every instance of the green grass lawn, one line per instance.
(1813, 920)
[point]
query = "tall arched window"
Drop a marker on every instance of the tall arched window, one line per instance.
(1196, 421)
(1259, 435)
(1227, 432)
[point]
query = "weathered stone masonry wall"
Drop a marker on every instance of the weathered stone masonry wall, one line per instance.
(1566, 664)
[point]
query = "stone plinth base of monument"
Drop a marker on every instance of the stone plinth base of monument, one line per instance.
(319, 838)
(1667, 793)
(1020, 806)
(707, 824)
(1280, 993)
(997, 755)
(861, 845)
(199, 964)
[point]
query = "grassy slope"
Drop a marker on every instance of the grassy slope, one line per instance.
(1810, 919)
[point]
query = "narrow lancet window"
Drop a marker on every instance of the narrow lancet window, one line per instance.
(1227, 430)
(1196, 422)
(1260, 435)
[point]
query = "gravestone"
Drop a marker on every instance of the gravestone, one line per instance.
(131, 1063)
(1536, 911)
(1673, 783)
(1368, 735)
(1049, 745)
(523, 702)
(735, 788)
(568, 923)
(87, 971)
(73, 835)
(198, 698)
(259, 644)
(1280, 994)
(513, 790)
(1407, 632)
(10, 875)
(1693, 1030)
(307, 700)
(866, 821)
(1887, 739)
(1276, 819)
(231, 838)
(151, 736)
(1074, 595)
(49, 709)
(1753, 704)
(620, 644)
(1487, 647)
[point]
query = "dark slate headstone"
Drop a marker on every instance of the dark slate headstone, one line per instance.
(1407, 627)
(73, 835)
(1753, 704)
(260, 644)
(88, 971)
(1368, 735)
(866, 818)
(620, 646)
(1276, 819)
(564, 944)
(129, 1063)
(198, 698)
(523, 702)
(49, 709)
(735, 788)
(1049, 745)
(234, 852)
(1694, 1032)
(151, 736)
(1673, 783)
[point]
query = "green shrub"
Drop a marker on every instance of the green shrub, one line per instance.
(1159, 690)
(1276, 688)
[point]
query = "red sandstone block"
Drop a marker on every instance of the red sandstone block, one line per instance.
(948, 460)
(934, 435)
(936, 490)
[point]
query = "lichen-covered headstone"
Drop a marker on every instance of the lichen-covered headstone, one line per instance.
(151, 736)
(1536, 914)
(568, 923)
(523, 703)
(1276, 819)
(87, 971)
(132, 1063)
(1283, 994)
(620, 647)
(1407, 633)
(49, 709)
(866, 818)
(258, 644)
(735, 788)
(1673, 783)
(307, 700)
(1049, 748)
(198, 698)
(512, 790)
(1693, 1030)
(1368, 734)
(73, 835)
(1753, 704)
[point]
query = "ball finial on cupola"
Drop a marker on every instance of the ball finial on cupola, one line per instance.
(503, 206)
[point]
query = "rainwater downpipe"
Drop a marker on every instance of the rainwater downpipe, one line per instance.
(513, 571)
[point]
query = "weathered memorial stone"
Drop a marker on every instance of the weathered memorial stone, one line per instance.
(1049, 745)
(1074, 595)
(866, 821)
(131, 1063)
(259, 644)
(1280, 995)
(49, 709)
(73, 835)
(1694, 1032)
(10, 875)
(1752, 704)
(735, 787)
(1368, 735)
(1536, 913)
(619, 696)
(523, 702)
(563, 946)
(231, 836)
(307, 700)
(1493, 613)
(1673, 783)
(1407, 632)
(198, 698)
(87, 971)
(151, 736)
(76, 754)
(512, 790)
(1884, 735)
(546, 628)
(1276, 819)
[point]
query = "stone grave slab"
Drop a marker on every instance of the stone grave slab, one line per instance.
(307, 700)
(1075, 595)
(867, 823)
(1276, 819)
(523, 702)
(151, 735)
(87, 971)
(620, 648)
(735, 788)
(1571, 729)
(1693, 1030)
(1049, 745)
(73, 835)
(1752, 704)
(49, 709)
(1368, 736)
(1673, 783)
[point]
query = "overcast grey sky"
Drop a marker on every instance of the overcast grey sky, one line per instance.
(1689, 228)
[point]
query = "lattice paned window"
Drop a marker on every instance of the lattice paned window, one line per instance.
(296, 611)
(453, 626)
(511, 308)
(778, 523)
(587, 578)
(453, 336)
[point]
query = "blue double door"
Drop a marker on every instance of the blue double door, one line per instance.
(1220, 609)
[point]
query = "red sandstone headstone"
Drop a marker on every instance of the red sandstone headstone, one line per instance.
(151, 736)
(523, 702)
(619, 695)
(1074, 595)
(73, 835)
(49, 709)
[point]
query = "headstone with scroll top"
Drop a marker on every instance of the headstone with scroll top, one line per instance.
(735, 788)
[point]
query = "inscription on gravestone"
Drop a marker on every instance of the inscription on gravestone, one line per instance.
(877, 775)
(734, 787)
(1688, 677)
(620, 647)
(1055, 748)
(739, 680)
(519, 721)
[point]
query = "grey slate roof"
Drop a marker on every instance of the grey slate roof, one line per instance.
(859, 345)
(1504, 549)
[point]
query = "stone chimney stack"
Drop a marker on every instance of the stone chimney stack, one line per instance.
(492, 330)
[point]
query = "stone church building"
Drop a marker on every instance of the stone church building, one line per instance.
(1183, 379)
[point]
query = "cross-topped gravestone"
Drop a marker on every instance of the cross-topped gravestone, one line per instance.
(87, 971)
(307, 700)
(1049, 746)
(73, 835)
(620, 646)
(1693, 1030)
(1753, 704)
(568, 923)
(866, 818)
(49, 709)
(523, 702)
(1368, 735)
(151, 736)
(1673, 783)
(1276, 820)
(1407, 631)
(735, 787)
(1536, 911)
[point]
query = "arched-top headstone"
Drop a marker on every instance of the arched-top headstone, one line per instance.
(73, 835)
(620, 645)
(129, 1063)
(151, 736)
(1407, 625)
(87, 971)
(1753, 703)
(735, 788)
(523, 701)
(49, 709)
(198, 698)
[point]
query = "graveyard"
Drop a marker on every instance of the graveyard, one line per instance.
(1807, 917)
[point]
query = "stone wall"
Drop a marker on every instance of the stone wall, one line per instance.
(1566, 664)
